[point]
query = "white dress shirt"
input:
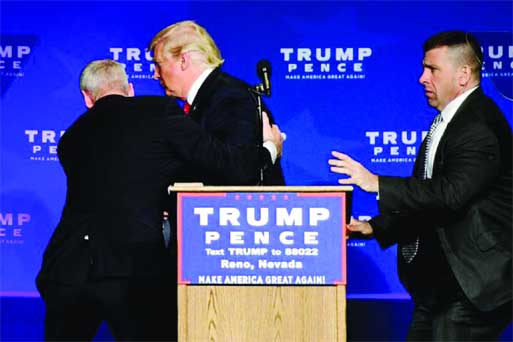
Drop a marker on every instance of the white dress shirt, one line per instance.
(447, 115)
(196, 85)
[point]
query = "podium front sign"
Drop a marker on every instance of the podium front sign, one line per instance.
(261, 238)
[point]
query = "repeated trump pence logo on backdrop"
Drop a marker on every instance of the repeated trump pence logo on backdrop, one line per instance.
(393, 146)
(15, 50)
(138, 62)
(41, 144)
(497, 50)
(12, 226)
(337, 63)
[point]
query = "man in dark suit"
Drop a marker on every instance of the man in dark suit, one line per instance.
(106, 259)
(452, 220)
(187, 63)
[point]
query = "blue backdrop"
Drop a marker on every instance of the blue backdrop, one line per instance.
(345, 77)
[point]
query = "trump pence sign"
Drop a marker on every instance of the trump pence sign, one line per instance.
(261, 238)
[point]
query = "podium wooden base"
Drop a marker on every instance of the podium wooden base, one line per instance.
(262, 313)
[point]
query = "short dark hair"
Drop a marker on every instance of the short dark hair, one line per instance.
(458, 39)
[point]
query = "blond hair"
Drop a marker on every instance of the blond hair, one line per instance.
(104, 76)
(187, 36)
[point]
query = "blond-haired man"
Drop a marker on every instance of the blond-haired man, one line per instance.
(187, 64)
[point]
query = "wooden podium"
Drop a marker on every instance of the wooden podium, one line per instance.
(263, 312)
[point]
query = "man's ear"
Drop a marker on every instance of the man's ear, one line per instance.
(88, 99)
(464, 75)
(131, 91)
(185, 60)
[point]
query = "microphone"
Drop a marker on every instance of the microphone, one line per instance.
(264, 73)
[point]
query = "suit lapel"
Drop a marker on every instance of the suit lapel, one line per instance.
(459, 117)
(418, 167)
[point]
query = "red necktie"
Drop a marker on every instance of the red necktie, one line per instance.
(186, 108)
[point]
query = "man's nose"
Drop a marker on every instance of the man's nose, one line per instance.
(422, 78)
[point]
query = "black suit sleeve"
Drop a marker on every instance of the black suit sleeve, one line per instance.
(391, 229)
(469, 166)
(203, 151)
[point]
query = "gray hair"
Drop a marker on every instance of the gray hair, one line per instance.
(103, 76)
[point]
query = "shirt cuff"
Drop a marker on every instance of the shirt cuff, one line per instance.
(269, 145)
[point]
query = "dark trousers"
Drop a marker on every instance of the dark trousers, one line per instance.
(458, 320)
(134, 310)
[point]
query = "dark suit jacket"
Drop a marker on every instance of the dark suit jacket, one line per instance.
(468, 202)
(224, 107)
(119, 158)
